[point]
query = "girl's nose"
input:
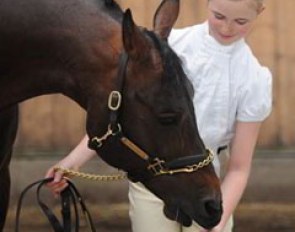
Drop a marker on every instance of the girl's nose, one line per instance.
(227, 28)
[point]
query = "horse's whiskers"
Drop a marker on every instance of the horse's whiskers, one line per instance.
(176, 217)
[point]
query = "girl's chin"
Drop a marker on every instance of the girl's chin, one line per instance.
(226, 40)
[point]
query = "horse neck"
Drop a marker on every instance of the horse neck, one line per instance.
(70, 57)
(19, 87)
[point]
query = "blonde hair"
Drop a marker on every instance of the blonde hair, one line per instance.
(259, 3)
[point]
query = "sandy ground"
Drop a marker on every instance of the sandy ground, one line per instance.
(268, 204)
(114, 218)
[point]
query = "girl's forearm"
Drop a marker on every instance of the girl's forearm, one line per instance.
(239, 166)
(80, 154)
(232, 187)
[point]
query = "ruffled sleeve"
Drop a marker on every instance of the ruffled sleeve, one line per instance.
(255, 95)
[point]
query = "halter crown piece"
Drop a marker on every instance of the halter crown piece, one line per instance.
(155, 165)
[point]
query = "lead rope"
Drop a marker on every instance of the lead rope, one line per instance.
(116, 177)
(71, 173)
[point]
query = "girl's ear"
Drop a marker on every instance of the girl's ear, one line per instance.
(260, 9)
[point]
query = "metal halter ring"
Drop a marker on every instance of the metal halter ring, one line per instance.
(114, 132)
(115, 99)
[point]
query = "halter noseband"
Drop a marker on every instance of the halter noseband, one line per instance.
(155, 165)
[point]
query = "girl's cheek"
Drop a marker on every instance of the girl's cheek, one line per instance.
(214, 23)
(212, 20)
(244, 31)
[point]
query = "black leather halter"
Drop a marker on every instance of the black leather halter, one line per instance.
(154, 165)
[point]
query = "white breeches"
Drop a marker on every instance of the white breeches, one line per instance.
(146, 213)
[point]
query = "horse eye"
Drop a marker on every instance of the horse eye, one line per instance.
(169, 118)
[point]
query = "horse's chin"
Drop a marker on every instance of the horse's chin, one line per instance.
(178, 215)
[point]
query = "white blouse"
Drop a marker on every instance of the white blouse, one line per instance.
(230, 85)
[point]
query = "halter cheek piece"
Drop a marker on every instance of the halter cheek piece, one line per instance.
(155, 165)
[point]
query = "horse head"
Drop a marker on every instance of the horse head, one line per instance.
(152, 132)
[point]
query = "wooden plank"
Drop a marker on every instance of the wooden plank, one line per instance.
(286, 71)
(263, 41)
(68, 122)
(49, 123)
(35, 128)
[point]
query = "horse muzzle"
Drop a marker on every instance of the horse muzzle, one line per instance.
(207, 215)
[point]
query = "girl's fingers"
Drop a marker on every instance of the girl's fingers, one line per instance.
(58, 177)
(203, 230)
(57, 188)
(58, 184)
(50, 173)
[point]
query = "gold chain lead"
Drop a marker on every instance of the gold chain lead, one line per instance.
(72, 173)
(187, 169)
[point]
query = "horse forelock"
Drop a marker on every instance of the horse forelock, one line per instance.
(173, 73)
(113, 9)
(172, 65)
(173, 77)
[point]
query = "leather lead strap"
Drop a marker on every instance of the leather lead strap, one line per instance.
(48, 212)
(66, 210)
(68, 196)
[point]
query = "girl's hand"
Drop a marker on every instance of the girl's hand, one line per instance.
(77, 157)
(59, 182)
(215, 229)
(212, 230)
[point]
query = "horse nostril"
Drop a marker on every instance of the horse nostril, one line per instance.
(212, 207)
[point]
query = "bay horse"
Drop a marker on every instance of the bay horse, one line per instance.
(140, 116)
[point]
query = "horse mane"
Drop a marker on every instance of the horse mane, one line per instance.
(114, 9)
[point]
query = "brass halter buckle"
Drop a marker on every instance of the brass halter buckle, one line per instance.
(156, 167)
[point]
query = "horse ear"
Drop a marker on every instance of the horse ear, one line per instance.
(165, 17)
(134, 41)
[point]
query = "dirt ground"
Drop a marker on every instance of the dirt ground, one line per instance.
(249, 217)
(265, 218)
(268, 204)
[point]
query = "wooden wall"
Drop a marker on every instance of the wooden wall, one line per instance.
(55, 123)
